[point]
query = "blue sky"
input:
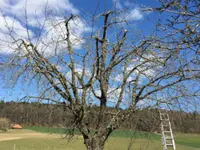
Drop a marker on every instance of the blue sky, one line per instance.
(13, 11)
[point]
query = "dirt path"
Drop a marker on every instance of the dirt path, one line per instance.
(24, 134)
(9, 138)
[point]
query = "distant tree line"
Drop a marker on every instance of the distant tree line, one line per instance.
(54, 115)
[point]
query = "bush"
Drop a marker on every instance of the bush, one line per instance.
(4, 124)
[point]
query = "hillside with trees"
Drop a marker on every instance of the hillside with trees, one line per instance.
(52, 115)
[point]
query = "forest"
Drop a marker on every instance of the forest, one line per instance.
(58, 115)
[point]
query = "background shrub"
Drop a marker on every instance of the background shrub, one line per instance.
(4, 124)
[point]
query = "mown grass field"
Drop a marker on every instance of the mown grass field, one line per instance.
(44, 139)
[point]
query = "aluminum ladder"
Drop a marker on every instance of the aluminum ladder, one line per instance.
(167, 134)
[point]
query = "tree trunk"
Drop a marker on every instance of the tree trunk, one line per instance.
(94, 143)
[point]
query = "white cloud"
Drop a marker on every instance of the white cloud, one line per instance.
(10, 26)
(129, 13)
(148, 66)
(79, 71)
(119, 78)
(117, 4)
(53, 39)
(134, 14)
(36, 7)
(41, 12)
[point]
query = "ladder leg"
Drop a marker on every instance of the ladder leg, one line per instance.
(167, 134)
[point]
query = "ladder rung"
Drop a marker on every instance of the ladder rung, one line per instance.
(167, 138)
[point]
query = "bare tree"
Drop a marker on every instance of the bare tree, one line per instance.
(110, 69)
(182, 25)
(180, 32)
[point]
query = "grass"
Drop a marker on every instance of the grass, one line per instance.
(50, 129)
(119, 140)
(117, 133)
(190, 140)
(113, 143)
(38, 144)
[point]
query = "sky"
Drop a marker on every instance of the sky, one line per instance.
(18, 18)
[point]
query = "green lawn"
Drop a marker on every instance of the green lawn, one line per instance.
(113, 143)
(120, 140)
(190, 140)
(117, 133)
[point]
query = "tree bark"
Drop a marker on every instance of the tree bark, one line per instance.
(94, 143)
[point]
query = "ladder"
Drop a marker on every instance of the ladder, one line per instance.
(167, 134)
